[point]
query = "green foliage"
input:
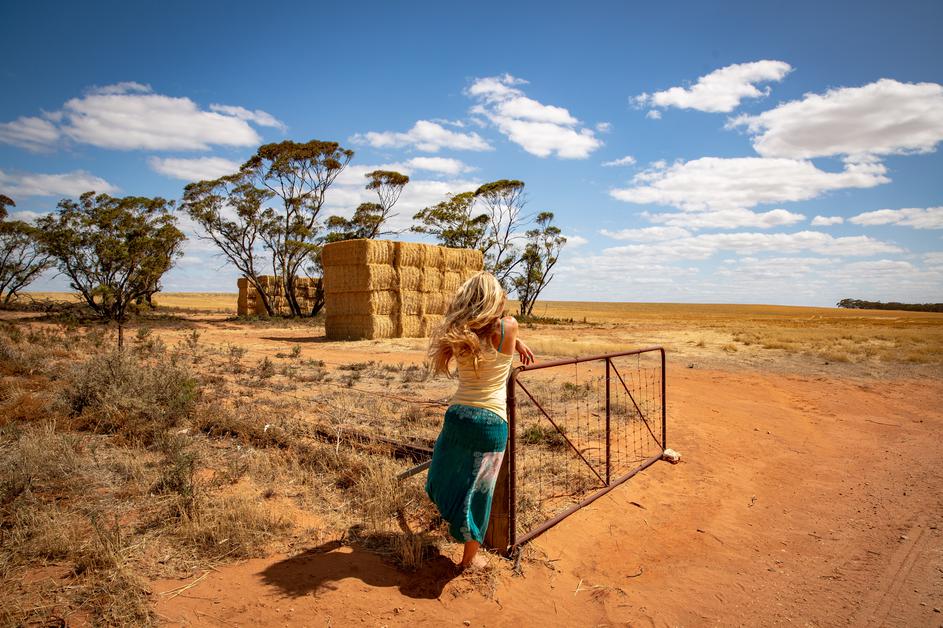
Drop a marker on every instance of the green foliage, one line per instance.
(451, 222)
(859, 304)
(113, 250)
(21, 259)
(369, 218)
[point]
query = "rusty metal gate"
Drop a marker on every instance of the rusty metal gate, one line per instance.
(577, 428)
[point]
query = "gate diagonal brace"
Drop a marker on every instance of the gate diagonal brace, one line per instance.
(578, 452)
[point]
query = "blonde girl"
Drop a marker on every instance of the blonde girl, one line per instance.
(481, 340)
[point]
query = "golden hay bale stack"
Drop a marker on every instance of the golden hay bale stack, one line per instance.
(359, 326)
(356, 252)
(367, 302)
(436, 302)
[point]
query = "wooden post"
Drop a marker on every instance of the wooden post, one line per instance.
(498, 537)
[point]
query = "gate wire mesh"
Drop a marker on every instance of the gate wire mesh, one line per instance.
(579, 427)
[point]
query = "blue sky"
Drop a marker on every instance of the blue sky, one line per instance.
(776, 154)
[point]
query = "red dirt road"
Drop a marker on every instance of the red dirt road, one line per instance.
(799, 501)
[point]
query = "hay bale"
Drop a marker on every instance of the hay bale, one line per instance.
(410, 278)
(368, 302)
(417, 255)
(452, 281)
(359, 326)
(359, 278)
(436, 302)
(357, 252)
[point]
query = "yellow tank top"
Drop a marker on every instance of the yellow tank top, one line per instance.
(488, 387)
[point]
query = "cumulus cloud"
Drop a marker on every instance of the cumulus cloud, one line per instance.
(916, 217)
(882, 118)
(704, 246)
(575, 241)
(541, 130)
(825, 221)
(197, 169)
(20, 184)
(129, 115)
(604, 127)
(713, 183)
(628, 160)
(262, 118)
(427, 136)
(721, 90)
(727, 219)
(29, 132)
(438, 164)
(653, 114)
(647, 234)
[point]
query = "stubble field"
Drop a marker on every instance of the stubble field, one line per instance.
(223, 472)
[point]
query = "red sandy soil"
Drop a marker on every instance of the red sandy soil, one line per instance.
(806, 500)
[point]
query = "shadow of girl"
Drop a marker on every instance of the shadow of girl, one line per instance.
(320, 568)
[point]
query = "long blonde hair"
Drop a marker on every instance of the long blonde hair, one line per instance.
(472, 317)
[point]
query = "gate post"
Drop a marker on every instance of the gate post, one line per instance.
(499, 535)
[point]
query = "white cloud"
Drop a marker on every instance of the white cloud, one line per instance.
(439, 164)
(73, 183)
(704, 246)
(426, 136)
(721, 90)
(128, 116)
(713, 183)
(575, 241)
(882, 118)
(29, 132)
(197, 169)
(933, 259)
(262, 118)
(916, 217)
(647, 234)
(604, 127)
(628, 160)
(653, 114)
(541, 130)
(727, 219)
(825, 221)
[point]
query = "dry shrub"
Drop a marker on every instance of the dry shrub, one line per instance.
(40, 459)
(235, 526)
(117, 393)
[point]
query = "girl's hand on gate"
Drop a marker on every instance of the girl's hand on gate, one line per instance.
(527, 356)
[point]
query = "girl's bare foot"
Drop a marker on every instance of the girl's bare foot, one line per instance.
(477, 563)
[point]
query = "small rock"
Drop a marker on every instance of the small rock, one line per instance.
(691, 365)
(467, 623)
(903, 537)
(936, 609)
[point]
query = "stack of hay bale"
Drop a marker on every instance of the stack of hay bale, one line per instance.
(384, 289)
(251, 305)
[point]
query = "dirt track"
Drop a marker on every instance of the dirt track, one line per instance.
(806, 501)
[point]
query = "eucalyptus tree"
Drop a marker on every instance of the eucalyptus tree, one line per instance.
(540, 255)
(452, 222)
(21, 259)
(369, 218)
(298, 176)
(113, 250)
(230, 212)
(503, 202)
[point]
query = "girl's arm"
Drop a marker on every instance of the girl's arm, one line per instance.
(511, 341)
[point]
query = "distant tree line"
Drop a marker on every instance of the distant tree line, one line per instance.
(267, 218)
(858, 304)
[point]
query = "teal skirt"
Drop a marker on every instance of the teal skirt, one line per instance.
(465, 464)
